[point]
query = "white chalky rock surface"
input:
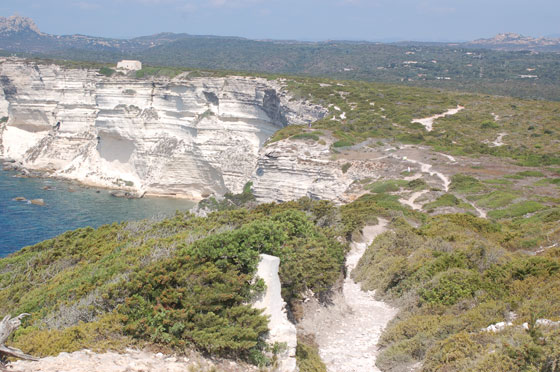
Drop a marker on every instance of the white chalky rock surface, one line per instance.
(428, 122)
(281, 329)
(347, 332)
(131, 361)
(184, 136)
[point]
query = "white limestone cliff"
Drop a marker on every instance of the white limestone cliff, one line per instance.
(282, 331)
(189, 137)
(289, 169)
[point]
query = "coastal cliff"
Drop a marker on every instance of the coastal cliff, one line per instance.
(183, 136)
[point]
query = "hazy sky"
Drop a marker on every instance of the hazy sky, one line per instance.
(434, 20)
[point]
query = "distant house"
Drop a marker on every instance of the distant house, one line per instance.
(129, 65)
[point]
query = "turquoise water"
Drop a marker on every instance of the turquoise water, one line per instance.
(68, 207)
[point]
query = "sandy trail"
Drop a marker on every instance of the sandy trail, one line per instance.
(498, 142)
(347, 332)
(427, 168)
(411, 202)
(428, 122)
(481, 212)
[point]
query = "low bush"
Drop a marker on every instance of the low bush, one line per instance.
(106, 71)
(516, 210)
(466, 184)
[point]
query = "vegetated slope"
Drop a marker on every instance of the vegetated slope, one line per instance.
(360, 111)
(181, 282)
(453, 279)
(185, 282)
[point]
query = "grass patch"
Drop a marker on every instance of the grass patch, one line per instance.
(447, 200)
(495, 199)
(498, 181)
(305, 136)
(287, 132)
(466, 184)
(169, 72)
(525, 174)
(386, 186)
(342, 143)
(517, 210)
(345, 167)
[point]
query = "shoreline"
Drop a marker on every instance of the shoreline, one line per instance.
(10, 165)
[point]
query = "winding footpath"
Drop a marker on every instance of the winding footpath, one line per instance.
(428, 123)
(427, 168)
(347, 332)
(411, 202)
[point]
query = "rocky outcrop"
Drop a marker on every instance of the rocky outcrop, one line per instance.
(513, 41)
(282, 331)
(291, 169)
(16, 23)
(190, 137)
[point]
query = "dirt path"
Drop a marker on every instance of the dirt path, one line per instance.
(348, 331)
(411, 202)
(130, 361)
(429, 122)
(427, 168)
(498, 142)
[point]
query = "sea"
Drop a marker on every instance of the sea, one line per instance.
(68, 206)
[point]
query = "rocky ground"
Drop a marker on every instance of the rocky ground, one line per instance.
(130, 361)
(347, 331)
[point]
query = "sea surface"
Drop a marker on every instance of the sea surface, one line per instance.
(68, 207)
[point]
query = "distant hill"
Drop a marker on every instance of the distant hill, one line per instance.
(512, 41)
(21, 34)
(473, 66)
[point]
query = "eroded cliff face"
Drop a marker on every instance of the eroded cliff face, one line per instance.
(191, 137)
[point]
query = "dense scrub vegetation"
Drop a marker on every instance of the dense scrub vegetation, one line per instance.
(453, 278)
(379, 111)
(444, 67)
(186, 281)
(180, 282)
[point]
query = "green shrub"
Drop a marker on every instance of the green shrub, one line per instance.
(307, 355)
(451, 286)
(106, 71)
(455, 353)
(386, 186)
(489, 124)
(342, 143)
(345, 167)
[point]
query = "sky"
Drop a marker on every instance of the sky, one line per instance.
(313, 20)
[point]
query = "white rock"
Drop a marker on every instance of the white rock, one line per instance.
(281, 329)
(188, 137)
